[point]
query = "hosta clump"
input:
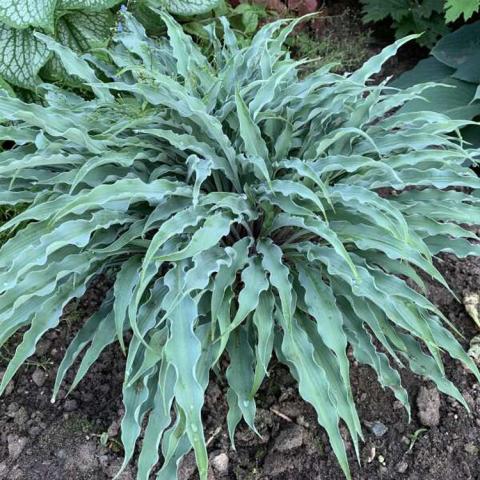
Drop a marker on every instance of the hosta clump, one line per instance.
(246, 209)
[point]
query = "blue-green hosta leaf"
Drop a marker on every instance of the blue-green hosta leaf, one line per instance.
(188, 392)
(251, 135)
(255, 282)
(340, 393)
(321, 306)
(278, 276)
(137, 399)
(374, 64)
(317, 227)
(313, 385)
(264, 324)
(224, 281)
(81, 340)
(22, 56)
(42, 319)
(159, 419)
(366, 353)
(103, 336)
(185, 7)
(21, 14)
(126, 280)
(240, 373)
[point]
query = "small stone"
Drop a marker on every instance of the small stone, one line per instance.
(21, 416)
(428, 403)
(381, 459)
(220, 463)
(12, 409)
(16, 445)
(43, 347)
(398, 405)
(10, 388)
(472, 306)
(471, 448)
(371, 454)
(113, 429)
(35, 431)
(289, 438)
(401, 467)
(377, 428)
(16, 474)
(61, 454)
(39, 377)
(70, 405)
(474, 350)
(3, 470)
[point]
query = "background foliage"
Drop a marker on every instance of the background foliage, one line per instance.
(429, 17)
(455, 65)
(81, 25)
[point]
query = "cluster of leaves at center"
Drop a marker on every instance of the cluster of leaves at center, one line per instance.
(237, 204)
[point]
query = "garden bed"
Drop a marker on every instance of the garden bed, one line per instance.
(78, 438)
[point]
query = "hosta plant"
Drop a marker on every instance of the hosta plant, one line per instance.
(244, 209)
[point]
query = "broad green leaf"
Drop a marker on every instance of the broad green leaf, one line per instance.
(21, 14)
(454, 9)
(81, 32)
(22, 56)
(87, 5)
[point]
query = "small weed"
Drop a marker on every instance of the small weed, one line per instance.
(6, 213)
(414, 437)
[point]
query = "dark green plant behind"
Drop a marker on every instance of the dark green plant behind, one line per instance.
(428, 17)
(237, 204)
(455, 64)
